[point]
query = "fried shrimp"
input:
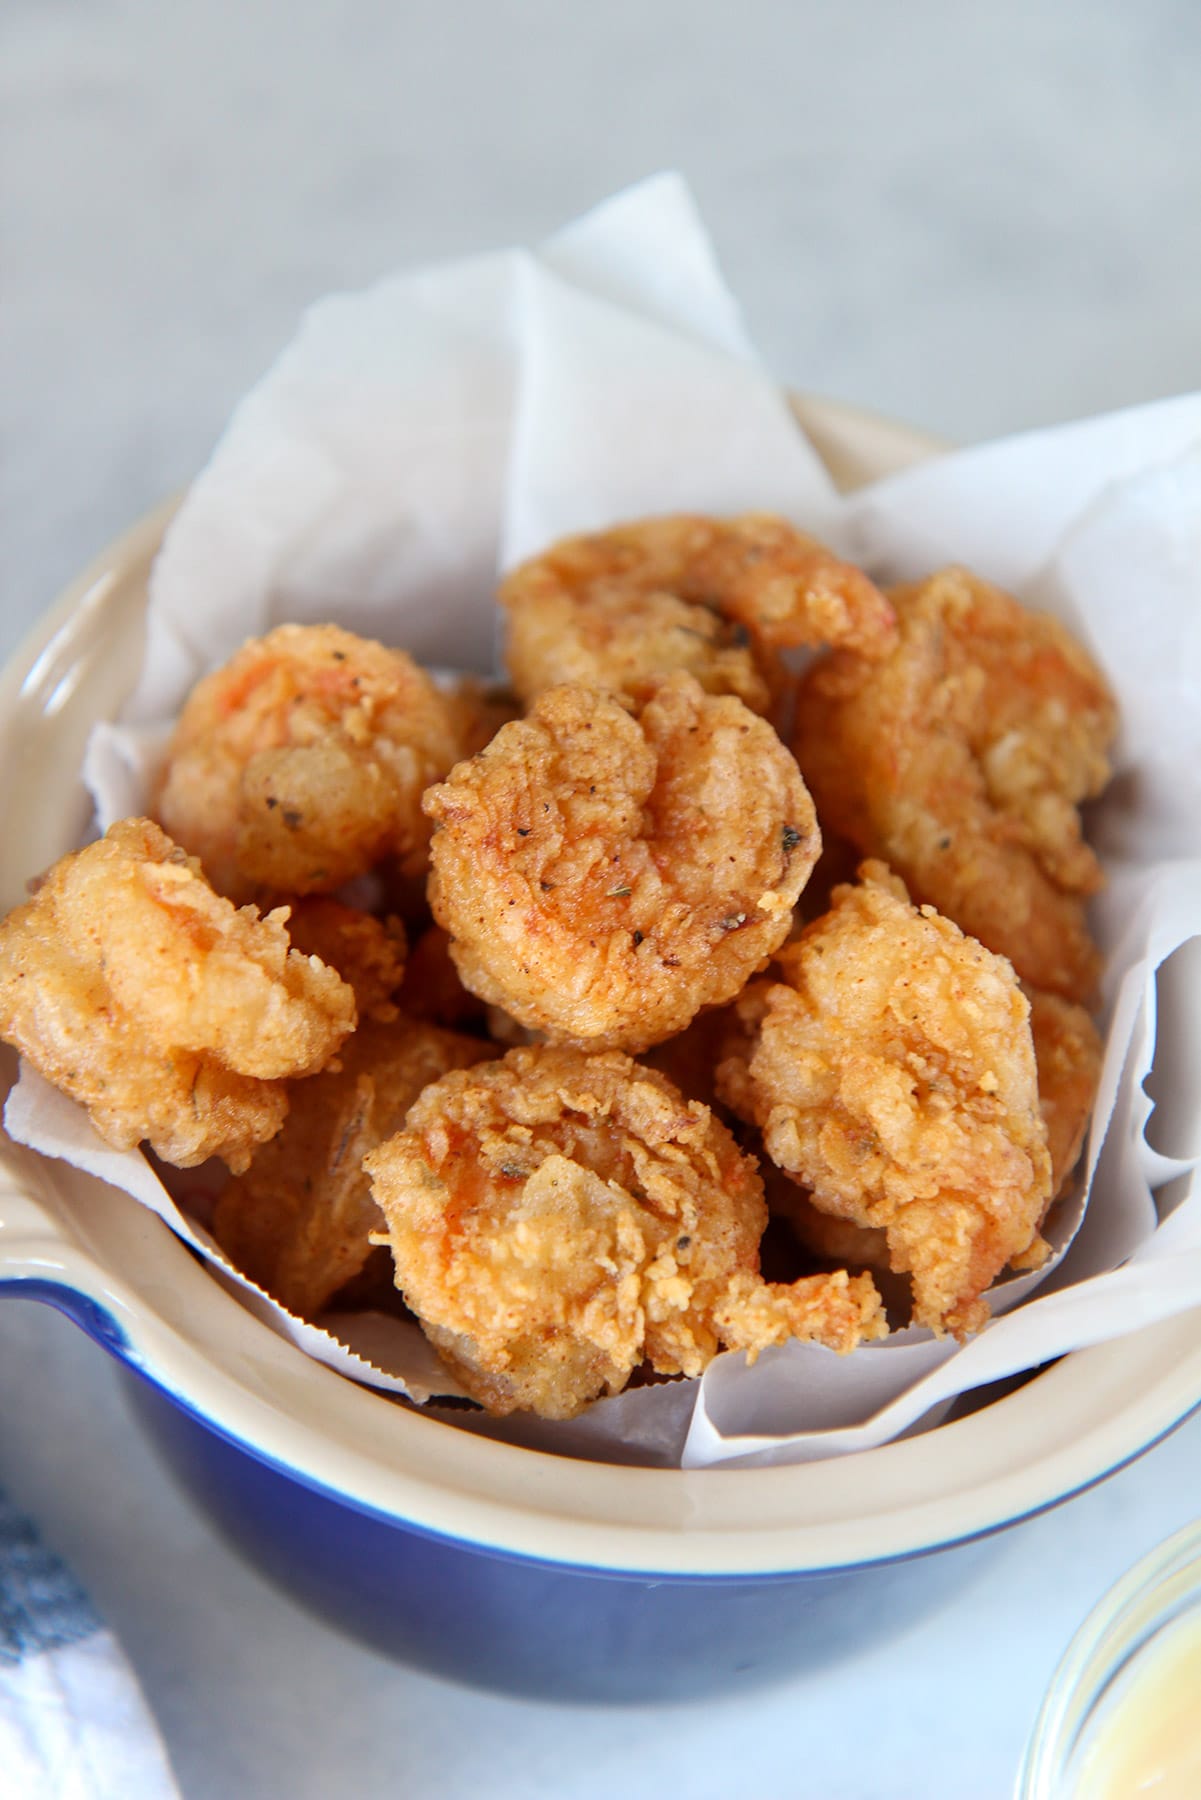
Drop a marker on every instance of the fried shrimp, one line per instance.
(623, 609)
(603, 877)
(892, 1074)
(557, 1218)
(368, 953)
(301, 763)
(1067, 1055)
(299, 1221)
(170, 1015)
(564, 628)
(961, 759)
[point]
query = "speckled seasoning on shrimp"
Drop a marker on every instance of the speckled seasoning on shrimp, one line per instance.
(623, 609)
(891, 1071)
(604, 876)
(961, 759)
(300, 764)
(172, 1016)
(558, 1218)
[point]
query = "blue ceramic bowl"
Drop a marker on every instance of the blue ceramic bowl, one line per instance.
(500, 1565)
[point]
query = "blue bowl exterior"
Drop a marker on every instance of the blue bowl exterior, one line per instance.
(91, 1317)
(493, 1619)
(547, 1631)
(512, 1625)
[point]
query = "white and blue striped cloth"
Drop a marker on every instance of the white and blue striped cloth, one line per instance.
(73, 1723)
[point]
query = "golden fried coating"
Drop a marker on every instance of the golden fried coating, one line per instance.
(604, 877)
(839, 1310)
(301, 763)
(556, 1218)
(368, 953)
(565, 627)
(299, 1221)
(1069, 1052)
(961, 759)
(785, 587)
(171, 1016)
(623, 609)
(892, 1073)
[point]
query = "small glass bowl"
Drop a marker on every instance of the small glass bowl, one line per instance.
(1153, 1609)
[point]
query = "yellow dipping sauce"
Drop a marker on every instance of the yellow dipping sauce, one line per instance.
(1147, 1743)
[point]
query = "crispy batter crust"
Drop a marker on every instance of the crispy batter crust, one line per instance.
(892, 1073)
(623, 609)
(961, 759)
(1067, 1052)
(603, 877)
(301, 763)
(299, 1221)
(172, 1016)
(368, 953)
(556, 1217)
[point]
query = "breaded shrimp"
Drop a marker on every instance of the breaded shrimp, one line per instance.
(603, 877)
(623, 609)
(299, 1221)
(892, 1073)
(171, 1016)
(785, 587)
(1067, 1054)
(961, 759)
(301, 763)
(623, 640)
(368, 953)
(556, 1218)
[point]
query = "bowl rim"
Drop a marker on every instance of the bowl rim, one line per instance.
(134, 1287)
(123, 1275)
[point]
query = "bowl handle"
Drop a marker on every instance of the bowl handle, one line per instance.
(41, 1258)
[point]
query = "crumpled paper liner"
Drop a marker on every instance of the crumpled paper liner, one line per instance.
(416, 437)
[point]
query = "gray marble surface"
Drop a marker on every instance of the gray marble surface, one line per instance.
(973, 217)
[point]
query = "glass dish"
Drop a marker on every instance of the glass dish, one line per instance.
(1121, 1718)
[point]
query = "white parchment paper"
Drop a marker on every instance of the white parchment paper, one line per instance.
(416, 437)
